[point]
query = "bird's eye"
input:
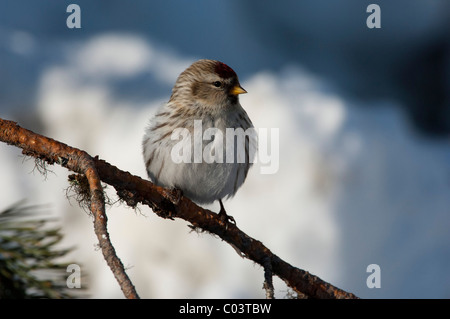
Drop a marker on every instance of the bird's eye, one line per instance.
(217, 84)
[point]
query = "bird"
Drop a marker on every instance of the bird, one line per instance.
(204, 103)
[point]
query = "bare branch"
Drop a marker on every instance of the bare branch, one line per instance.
(167, 204)
(268, 284)
(51, 151)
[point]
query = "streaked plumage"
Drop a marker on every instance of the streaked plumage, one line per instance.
(207, 91)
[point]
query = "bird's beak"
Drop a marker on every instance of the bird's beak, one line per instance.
(237, 89)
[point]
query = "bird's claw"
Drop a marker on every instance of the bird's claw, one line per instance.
(224, 216)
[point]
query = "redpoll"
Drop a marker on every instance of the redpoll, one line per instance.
(204, 109)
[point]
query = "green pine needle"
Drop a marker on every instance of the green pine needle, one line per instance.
(29, 266)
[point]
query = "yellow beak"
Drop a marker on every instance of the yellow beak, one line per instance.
(237, 89)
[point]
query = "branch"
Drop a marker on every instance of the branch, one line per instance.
(51, 151)
(165, 203)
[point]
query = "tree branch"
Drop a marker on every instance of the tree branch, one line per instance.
(51, 151)
(167, 204)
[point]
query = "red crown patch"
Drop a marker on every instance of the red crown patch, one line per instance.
(224, 71)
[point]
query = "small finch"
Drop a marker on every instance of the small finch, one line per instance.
(205, 97)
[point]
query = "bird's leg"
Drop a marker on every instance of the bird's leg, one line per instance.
(223, 214)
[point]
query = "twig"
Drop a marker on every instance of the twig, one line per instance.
(134, 190)
(268, 283)
(51, 151)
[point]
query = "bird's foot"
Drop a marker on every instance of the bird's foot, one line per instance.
(224, 216)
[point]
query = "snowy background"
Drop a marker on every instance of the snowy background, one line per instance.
(363, 114)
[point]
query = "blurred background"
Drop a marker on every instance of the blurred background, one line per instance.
(363, 114)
